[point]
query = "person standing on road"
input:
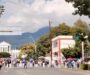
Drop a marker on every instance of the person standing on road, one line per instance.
(25, 63)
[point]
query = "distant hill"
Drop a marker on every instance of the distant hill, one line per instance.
(17, 40)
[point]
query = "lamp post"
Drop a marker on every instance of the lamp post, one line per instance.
(84, 38)
(82, 50)
(81, 37)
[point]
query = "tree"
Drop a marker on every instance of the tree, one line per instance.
(80, 30)
(62, 29)
(71, 52)
(83, 7)
(80, 27)
(43, 45)
(28, 49)
(1, 9)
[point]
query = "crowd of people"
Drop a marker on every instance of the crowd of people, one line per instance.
(30, 63)
(71, 64)
(7, 62)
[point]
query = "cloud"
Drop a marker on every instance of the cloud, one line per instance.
(32, 15)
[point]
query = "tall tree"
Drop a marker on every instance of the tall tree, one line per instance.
(82, 7)
(80, 26)
(43, 45)
(62, 29)
(1, 9)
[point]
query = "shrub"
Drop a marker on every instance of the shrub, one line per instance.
(85, 66)
(71, 52)
(4, 55)
(88, 66)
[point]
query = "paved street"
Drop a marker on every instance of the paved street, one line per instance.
(41, 71)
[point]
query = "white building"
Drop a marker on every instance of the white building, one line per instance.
(5, 47)
(15, 53)
(59, 43)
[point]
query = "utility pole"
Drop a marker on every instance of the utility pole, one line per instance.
(50, 36)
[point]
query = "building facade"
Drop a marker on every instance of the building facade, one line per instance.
(5, 47)
(59, 43)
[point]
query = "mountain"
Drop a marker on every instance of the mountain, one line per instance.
(27, 37)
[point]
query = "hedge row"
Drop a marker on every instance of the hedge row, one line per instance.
(85, 66)
(4, 55)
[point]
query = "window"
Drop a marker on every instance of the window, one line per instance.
(56, 53)
(55, 43)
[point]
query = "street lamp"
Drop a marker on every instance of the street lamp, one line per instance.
(84, 38)
(1, 10)
(81, 37)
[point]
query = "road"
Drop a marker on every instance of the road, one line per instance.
(40, 71)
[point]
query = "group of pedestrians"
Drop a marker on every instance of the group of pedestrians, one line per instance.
(5, 62)
(35, 63)
(71, 64)
(29, 63)
(23, 63)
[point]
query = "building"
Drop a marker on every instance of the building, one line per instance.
(15, 53)
(6, 47)
(59, 43)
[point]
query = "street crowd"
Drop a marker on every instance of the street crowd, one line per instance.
(22, 63)
(40, 63)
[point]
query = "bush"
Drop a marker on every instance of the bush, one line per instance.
(88, 66)
(85, 66)
(4, 55)
(71, 52)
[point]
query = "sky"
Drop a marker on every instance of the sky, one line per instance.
(31, 15)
